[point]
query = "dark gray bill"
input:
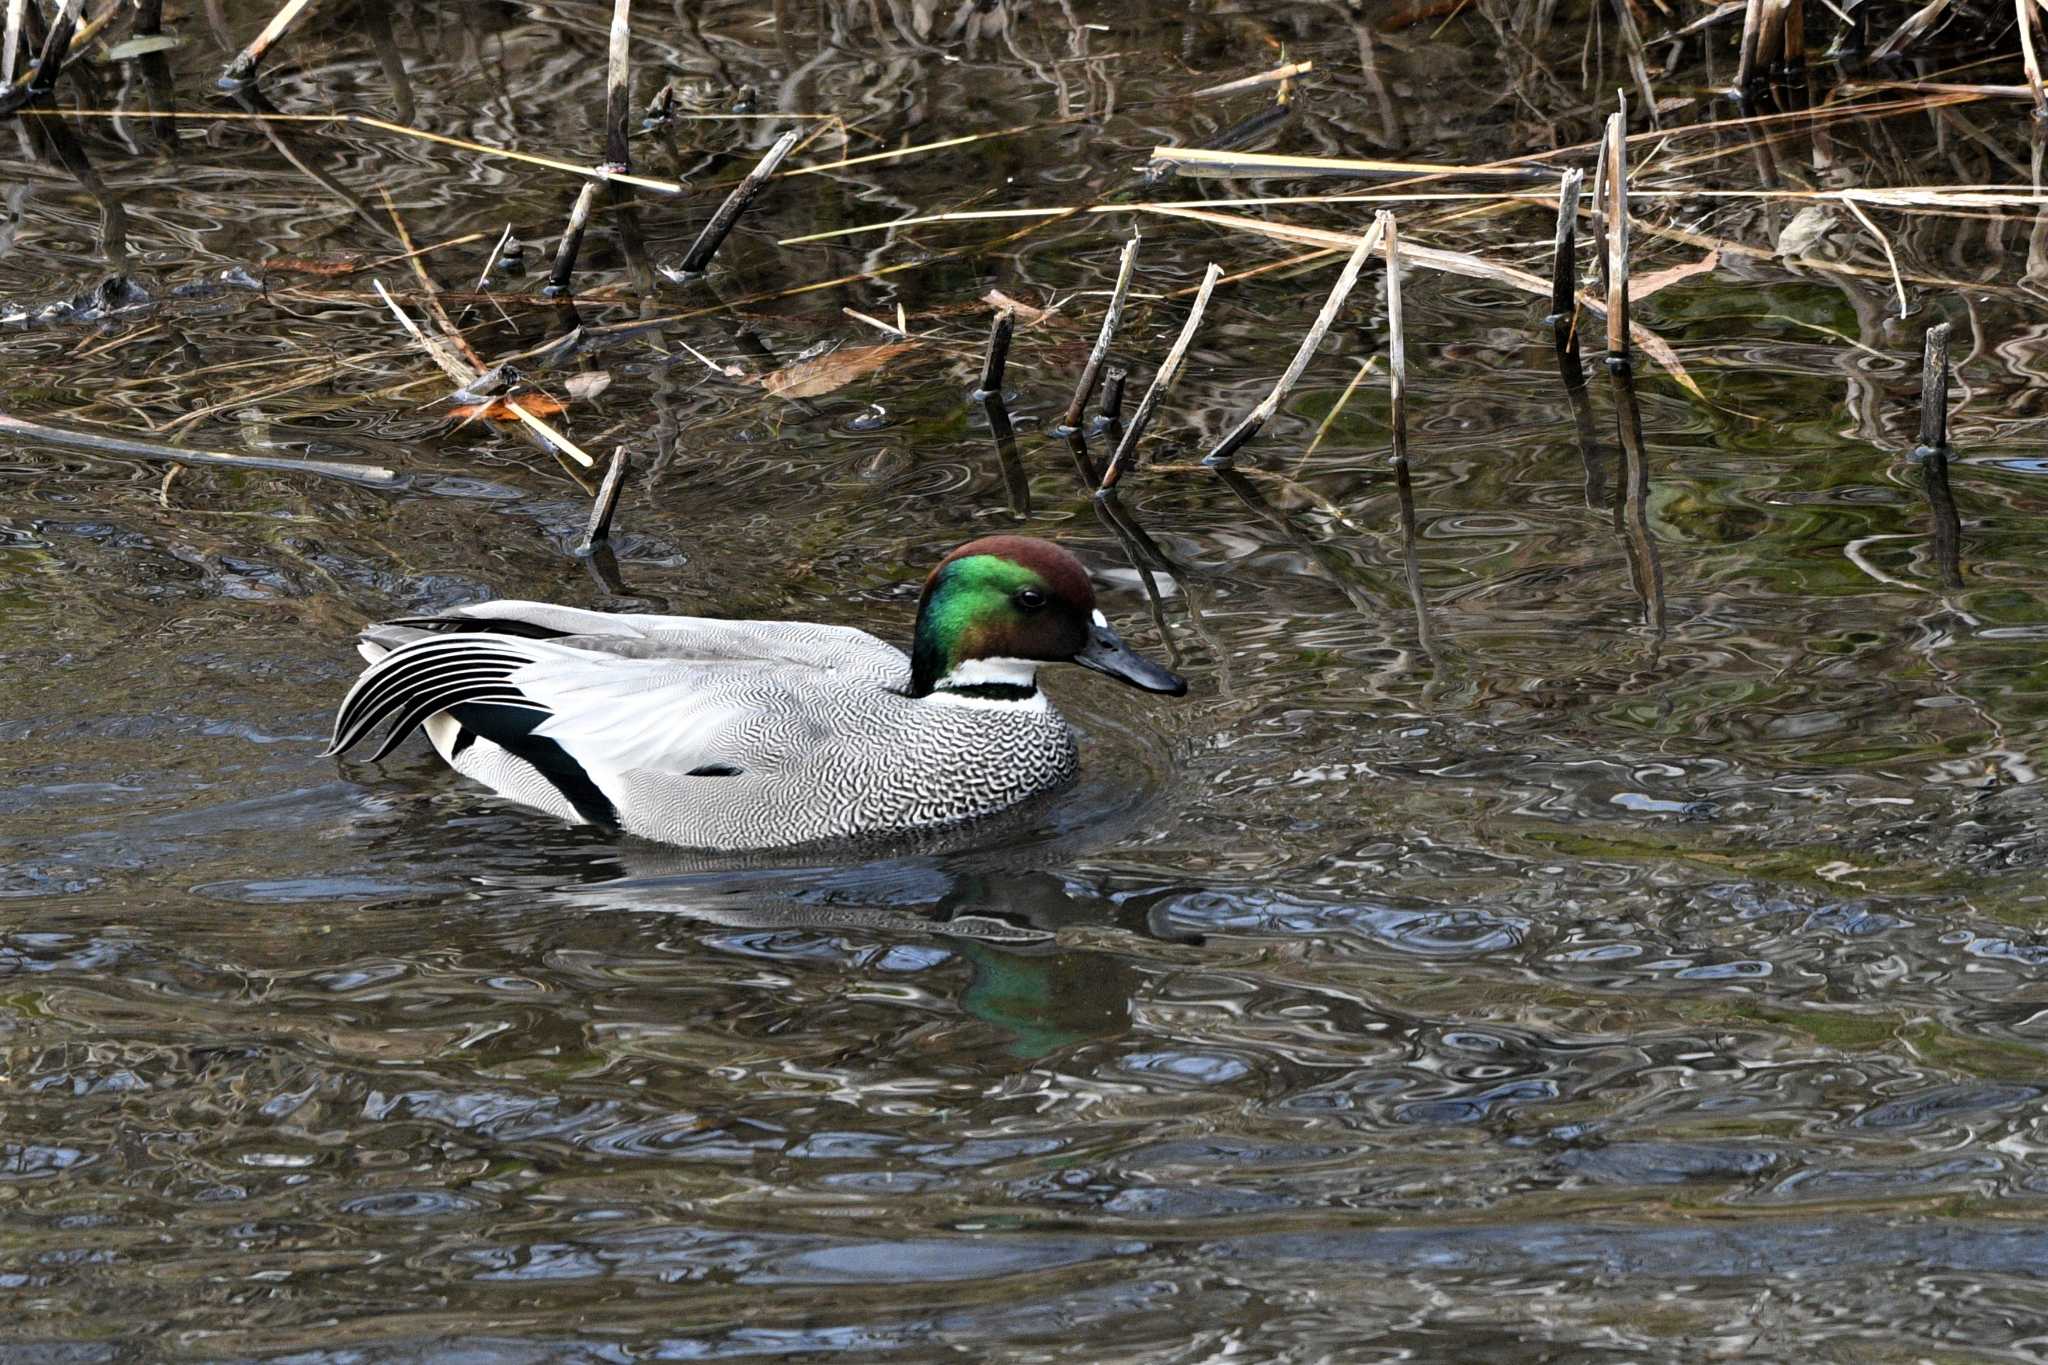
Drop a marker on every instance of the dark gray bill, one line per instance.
(1106, 652)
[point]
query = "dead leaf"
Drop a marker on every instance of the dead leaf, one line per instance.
(500, 409)
(1643, 286)
(1805, 230)
(998, 300)
(588, 385)
(811, 378)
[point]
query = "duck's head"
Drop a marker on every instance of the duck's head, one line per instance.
(997, 608)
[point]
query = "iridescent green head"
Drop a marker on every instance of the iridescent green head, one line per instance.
(997, 607)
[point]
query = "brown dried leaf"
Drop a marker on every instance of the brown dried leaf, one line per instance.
(1642, 286)
(811, 378)
(500, 410)
(1026, 313)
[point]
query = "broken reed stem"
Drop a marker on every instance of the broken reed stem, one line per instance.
(618, 89)
(698, 257)
(1934, 391)
(607, 504)
(1746, 78)
(10, 41)
(1162, 382)
(1099, 354)
(1933, 453)
(1564, 283)
(1111, 419)
(572, 242)
(243, 67)
(49, 62)
(1617, 240)
(1397, 344)
(1795, 35)
(1227, 448)
(995, 358)
(2030, 58)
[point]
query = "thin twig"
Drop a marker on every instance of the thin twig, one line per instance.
(1162, 382)
(155, 450)
(1898, 283)
(1226, 449)
(1564, 283)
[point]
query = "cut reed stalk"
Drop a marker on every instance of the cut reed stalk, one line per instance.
(1933, 453)
(698, 258)
(1162, 383)
(995, 358)
(1226, 449)
(618, 89)
(1098, 355)
(571, 244)
(243, 68)
(1397, 345)
(1110, 420)
(606, 505)
(1564, 283)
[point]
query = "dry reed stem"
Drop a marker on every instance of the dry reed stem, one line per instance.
(1746, 77)
(1098, 354)
(1162, 383)
(80, 39)
(1916, 24)
(618, 88)
(1347, 279)
(10, 42)
(1454, 263)
(1564, 283)
(598, 173)
(1211, 161)
(698, 257)
(606, 504)
(1934, 389)
(1617, 240)
(990, 386)
(1397, 344)
(571, 243)
(375, 475)
(1277, 74)
(244, 65)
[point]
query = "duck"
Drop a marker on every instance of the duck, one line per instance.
(746, 735)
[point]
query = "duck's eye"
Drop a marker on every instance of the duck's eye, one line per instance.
(1030, 599)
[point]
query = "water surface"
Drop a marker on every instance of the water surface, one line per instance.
(1522, 982)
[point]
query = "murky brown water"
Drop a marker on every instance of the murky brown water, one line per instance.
(1548, 989)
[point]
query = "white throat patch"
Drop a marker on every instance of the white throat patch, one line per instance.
(991, 673)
